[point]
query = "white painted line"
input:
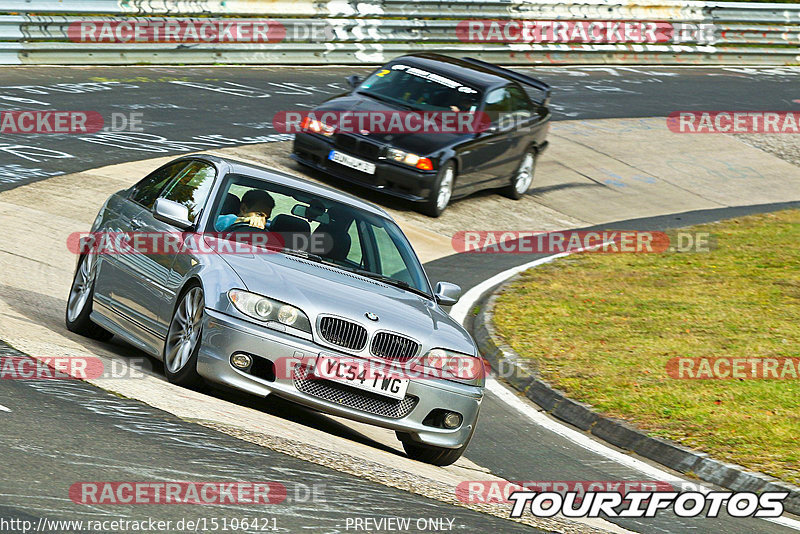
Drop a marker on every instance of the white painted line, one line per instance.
(459, 313)
(4, 409)
(786, 522)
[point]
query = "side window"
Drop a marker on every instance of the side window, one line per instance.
(147, 191)
(498, 101)
(191, 187)
(498, 104)
(520, 101)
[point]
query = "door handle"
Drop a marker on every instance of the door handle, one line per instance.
(136, 224)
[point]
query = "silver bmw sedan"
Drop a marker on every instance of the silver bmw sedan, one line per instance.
(248, 277)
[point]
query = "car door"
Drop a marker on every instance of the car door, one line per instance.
(160, 274)
(485, 158)
(525, 120)
(117, 285)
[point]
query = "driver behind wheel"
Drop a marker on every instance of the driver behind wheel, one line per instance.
(255, 210)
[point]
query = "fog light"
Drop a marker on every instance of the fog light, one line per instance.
(452, 420)
(242, 361)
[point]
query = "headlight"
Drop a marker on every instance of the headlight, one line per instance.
(288, 315)
(317, 127)
(269, 310)
(454, 366)
(410, 159)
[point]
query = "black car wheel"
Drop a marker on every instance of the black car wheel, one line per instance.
(183, 339)
(79, 303)
(442, 190)
(523, 177)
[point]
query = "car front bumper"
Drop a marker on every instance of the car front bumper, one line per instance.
(224, 335)
(390, 178)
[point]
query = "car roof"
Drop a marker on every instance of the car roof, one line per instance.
(282, 178)
(462, 71)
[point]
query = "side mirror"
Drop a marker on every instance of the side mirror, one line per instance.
(172, 213)
(354, 80)
(447, 294)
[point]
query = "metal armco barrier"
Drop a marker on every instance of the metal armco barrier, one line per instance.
(373, 31)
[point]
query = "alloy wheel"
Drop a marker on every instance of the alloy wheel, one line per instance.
(81, 288)
(184, 331)
(524, 175)
(445, 189)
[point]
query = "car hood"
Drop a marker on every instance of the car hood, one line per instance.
(418, 142)
(319, 289)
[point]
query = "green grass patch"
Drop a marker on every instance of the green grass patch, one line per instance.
(603, 326)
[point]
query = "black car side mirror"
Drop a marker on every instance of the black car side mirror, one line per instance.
(354, 81)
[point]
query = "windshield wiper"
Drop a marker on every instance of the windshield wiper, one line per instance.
(391, 281)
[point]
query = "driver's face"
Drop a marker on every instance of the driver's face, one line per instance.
(245, 210)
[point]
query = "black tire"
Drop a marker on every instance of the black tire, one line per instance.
(77, 314)
(431, 455)
(514, 190)
(431, 206)
(185, 375)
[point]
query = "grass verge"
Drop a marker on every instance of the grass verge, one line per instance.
(602, 328)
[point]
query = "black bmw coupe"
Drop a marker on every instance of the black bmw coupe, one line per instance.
(426, 148)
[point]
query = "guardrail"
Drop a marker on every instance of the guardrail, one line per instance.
(358, 32)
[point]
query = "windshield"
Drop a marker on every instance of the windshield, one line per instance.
(318, 229)
(418, 89)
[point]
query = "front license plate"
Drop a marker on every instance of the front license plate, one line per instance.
(360, 374)
(350, 161)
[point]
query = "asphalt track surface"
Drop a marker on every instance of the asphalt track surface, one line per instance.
(57, 434)
(64, 431)
(192, 108)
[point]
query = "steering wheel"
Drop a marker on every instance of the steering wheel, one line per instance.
(242, 225)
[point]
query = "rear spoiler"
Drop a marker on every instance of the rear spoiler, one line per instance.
(521, 78)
